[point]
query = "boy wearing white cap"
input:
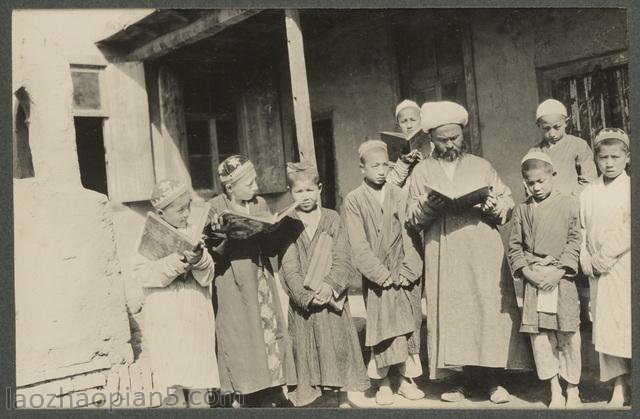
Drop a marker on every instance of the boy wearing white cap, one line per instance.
(391, 268)
(178, 314)
(572, 158)
(408, 119)
(605, 215)
(544, 247)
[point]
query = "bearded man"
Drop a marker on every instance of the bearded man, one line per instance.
(472, 315)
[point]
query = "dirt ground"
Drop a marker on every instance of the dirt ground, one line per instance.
(527, 391)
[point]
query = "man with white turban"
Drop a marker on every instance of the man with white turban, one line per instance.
(472, 315)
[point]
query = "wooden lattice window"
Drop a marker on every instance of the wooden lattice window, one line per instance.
(595, 92)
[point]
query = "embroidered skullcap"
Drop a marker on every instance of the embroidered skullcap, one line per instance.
(371, 145)
(611, 133)
(550, 107)
(302, 170)
(536, 155)
(406, 104)
(166, 191)
(234, 168)
(437, 114)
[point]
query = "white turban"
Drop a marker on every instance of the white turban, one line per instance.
(437, 114)
(550, 107)
(406, 104)
(537, 155)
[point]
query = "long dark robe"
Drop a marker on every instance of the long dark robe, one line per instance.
(549, 228)
(242, 353)
(325, 343)
(383, 247)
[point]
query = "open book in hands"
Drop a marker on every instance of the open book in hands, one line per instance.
(398, 143)
(160, 239)
(242, 226)
(463, 201)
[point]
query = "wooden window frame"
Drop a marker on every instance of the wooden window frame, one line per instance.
(103, 112)
(216, 187)
(546, 75)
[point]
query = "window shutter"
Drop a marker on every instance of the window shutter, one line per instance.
(260, 130)
(127, 134)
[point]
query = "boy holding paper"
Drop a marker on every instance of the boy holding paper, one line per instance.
(316, 268)
(544, 249)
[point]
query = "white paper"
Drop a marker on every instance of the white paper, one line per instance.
(548, 301)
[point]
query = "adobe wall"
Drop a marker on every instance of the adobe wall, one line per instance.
(72, 328)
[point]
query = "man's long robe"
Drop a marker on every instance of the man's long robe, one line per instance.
(382, 247)
(472, 315)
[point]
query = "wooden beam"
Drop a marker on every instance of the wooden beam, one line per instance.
(177, 15)
(299, 87)
(208, 25)
(470, 84)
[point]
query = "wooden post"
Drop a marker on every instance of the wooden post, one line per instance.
(470, 84)
(299, 87)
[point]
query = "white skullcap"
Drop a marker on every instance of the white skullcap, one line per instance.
(437, 114)
(370, 145)
(536, 155)
(611, 133)
(550, 107)
(406, 104)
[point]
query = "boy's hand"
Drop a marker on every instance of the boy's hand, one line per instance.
(582, 180)
(551, 280)
(411, 157)
(435, 202)
(192, 257)
(404, 282)
(323, 295)
(489, 204)
(532, 276)
(387, 282)
(216, 220)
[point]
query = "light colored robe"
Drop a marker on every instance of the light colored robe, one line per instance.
(472, 315)
(179, 322)
(567, 155)
(605, 215)
(382, 247)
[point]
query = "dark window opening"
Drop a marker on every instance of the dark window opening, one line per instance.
(595, 100)
(199, 148)
(86, 89)
(326, 160)
(91, 153)
(22, 160)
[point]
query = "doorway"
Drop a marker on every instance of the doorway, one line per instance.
(91, 155)
(326, 159)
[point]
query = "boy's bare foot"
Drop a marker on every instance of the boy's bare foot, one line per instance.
(557, 402)
(618, 397)
(409, 390)
(573, 397)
